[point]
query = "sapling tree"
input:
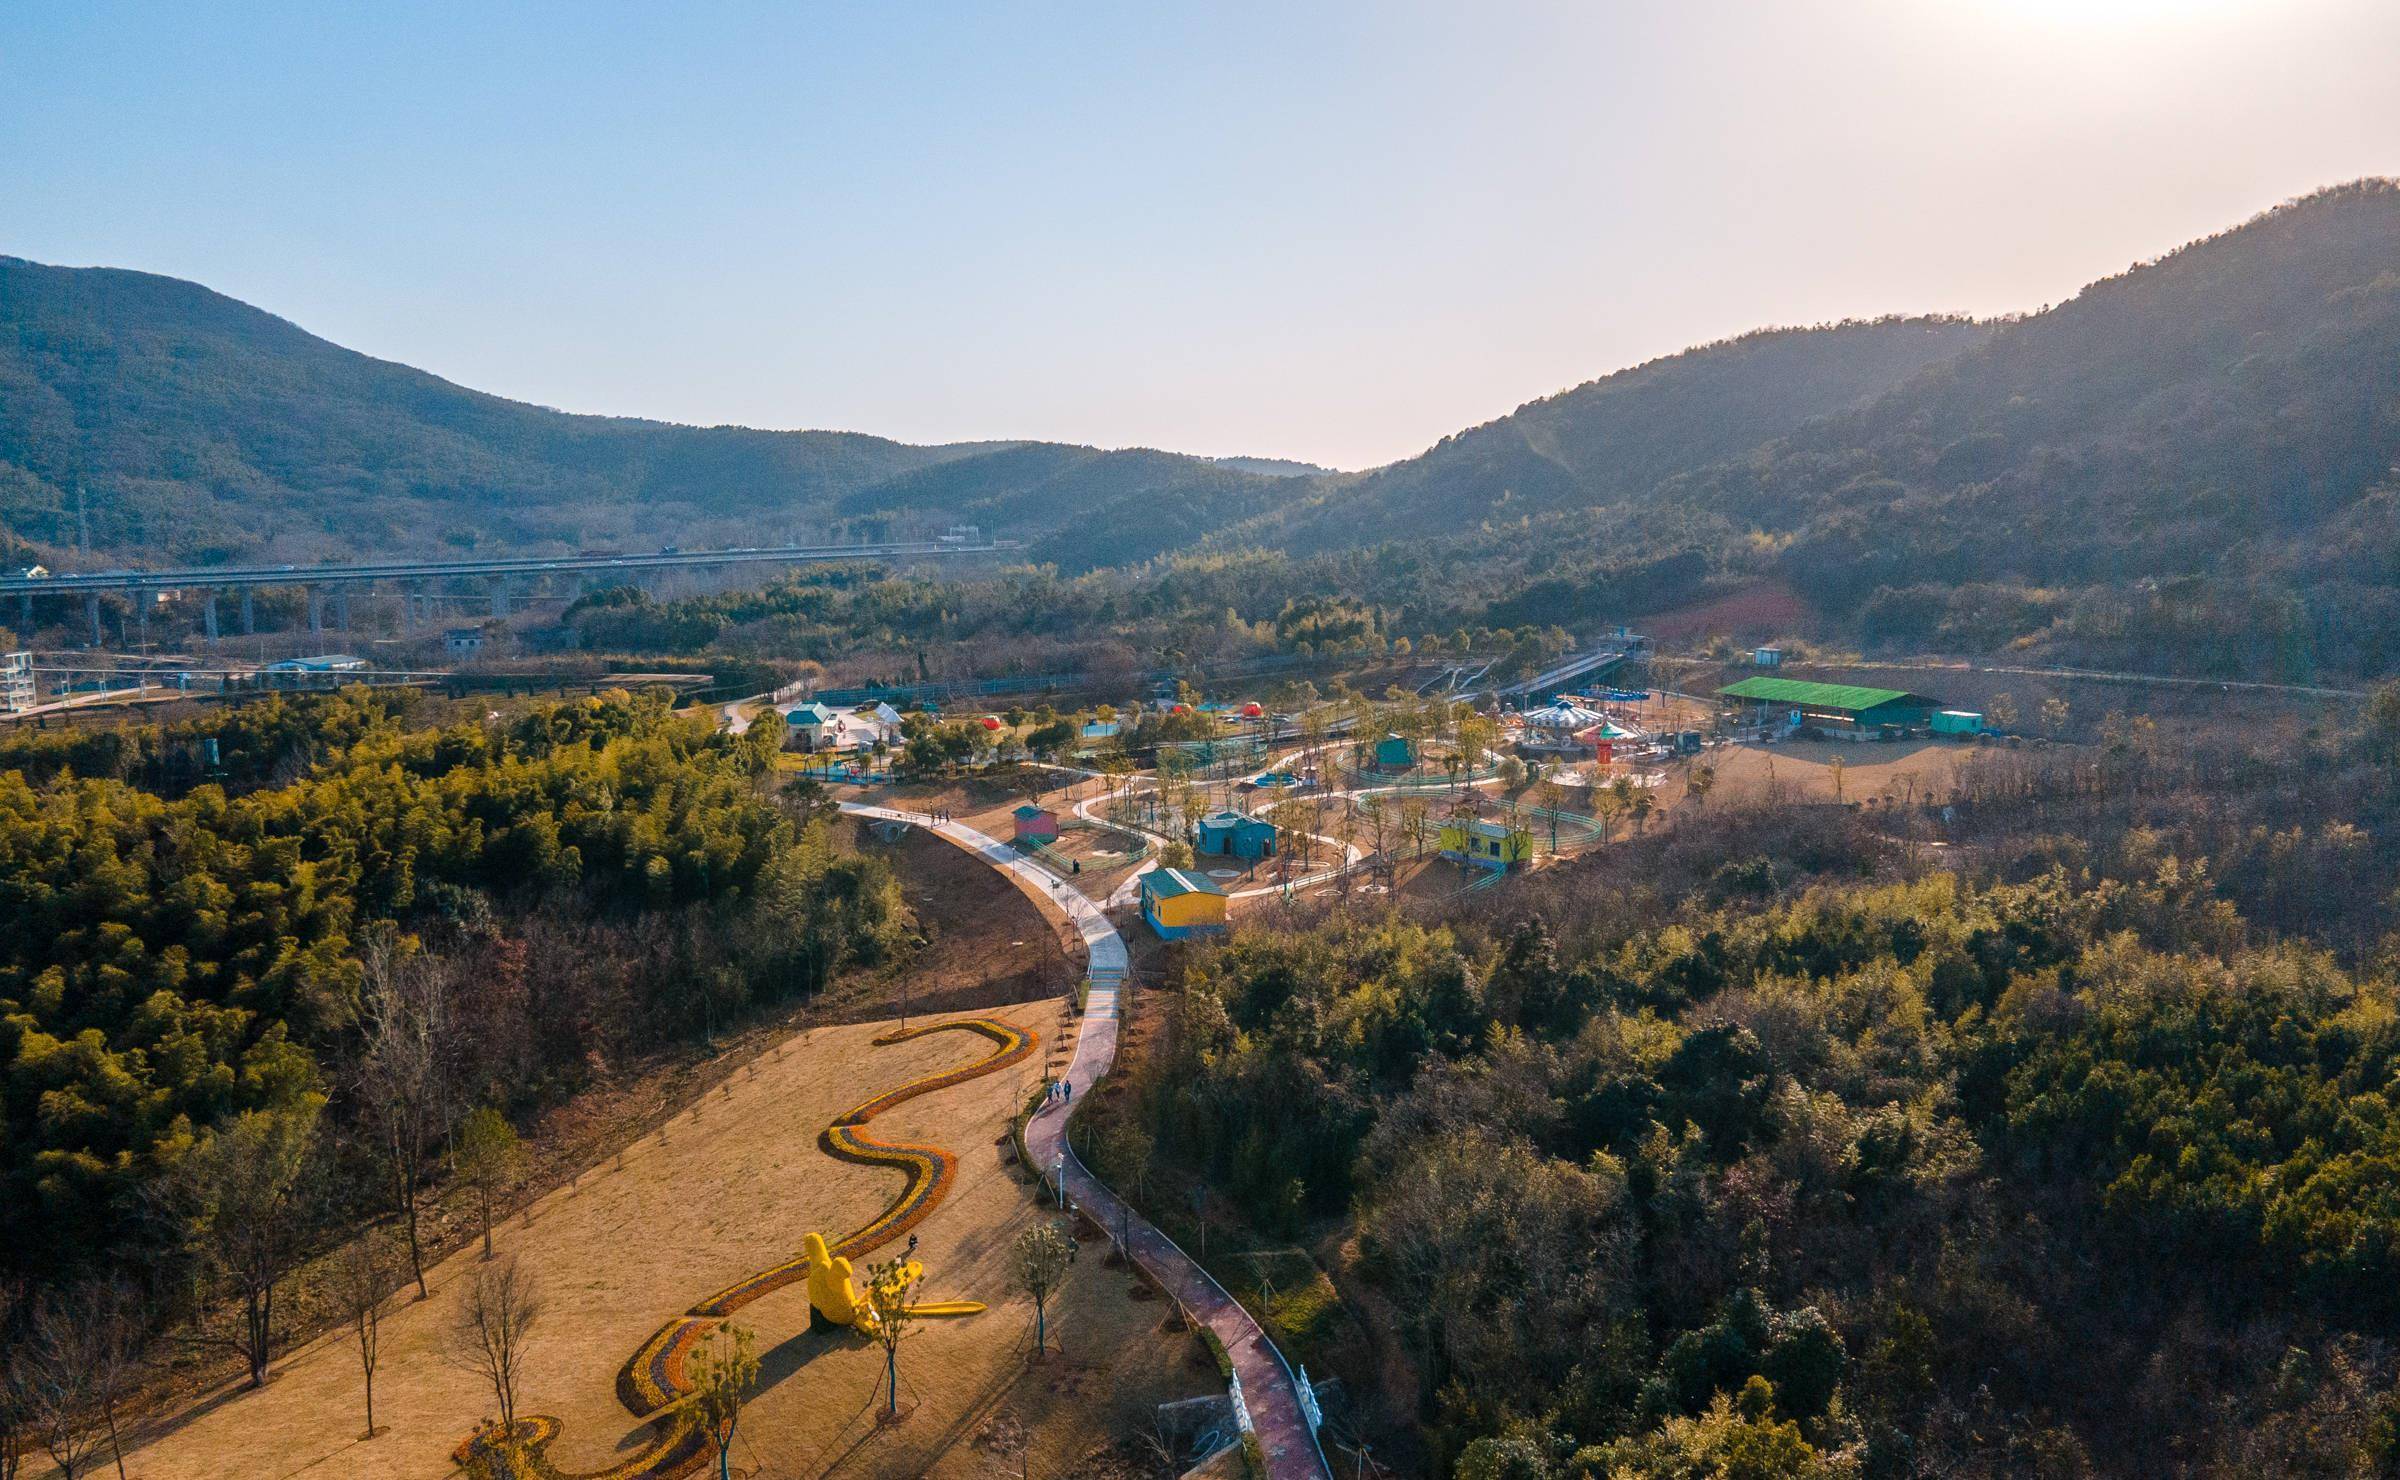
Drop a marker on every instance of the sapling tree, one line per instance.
(1043, 1253)
(723, 1370)
(362, 1278)
(490, 1160)
(891, 1286)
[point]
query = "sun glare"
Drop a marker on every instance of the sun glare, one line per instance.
(2090, 17)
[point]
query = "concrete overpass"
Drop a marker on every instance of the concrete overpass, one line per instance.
(418, 577)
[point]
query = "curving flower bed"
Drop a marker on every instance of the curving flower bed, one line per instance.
(651, 1383)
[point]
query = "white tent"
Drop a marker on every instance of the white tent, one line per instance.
(1565, 718)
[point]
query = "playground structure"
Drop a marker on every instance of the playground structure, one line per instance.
(653, 1385)
(833, 767)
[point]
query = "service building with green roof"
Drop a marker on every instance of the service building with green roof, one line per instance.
(1837, 705)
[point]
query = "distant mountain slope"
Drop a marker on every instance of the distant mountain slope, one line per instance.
(2192, 466)
(1616, 439)
(2230, 410)
(1273, 467)
(1077, 506)
(201, 428)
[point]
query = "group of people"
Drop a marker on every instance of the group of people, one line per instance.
(1058, 1091)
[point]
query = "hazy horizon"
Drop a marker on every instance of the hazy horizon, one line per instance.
(1334, 237)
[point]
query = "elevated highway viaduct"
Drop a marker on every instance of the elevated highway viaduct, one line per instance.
(419, 580)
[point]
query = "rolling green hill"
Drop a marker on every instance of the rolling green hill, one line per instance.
(2204, 447)
(2193, 465)
(2190, 465)
(200, 428)
(1617, 438)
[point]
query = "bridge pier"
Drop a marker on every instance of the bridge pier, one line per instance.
(208, 612)
(249, 612)
(316, 612)
(499, 597)
(91, 606)
(141, 617)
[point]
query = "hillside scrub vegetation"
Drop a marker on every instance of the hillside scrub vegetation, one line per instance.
(1779, 1134)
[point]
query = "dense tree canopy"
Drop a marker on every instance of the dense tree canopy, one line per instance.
(172, 961)
(1816, 1175)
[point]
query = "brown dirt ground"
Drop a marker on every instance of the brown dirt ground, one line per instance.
(1763, 610)
(723, 1190)
(985, 941)
(1803, 771)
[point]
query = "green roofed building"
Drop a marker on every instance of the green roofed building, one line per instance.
(1833, 705)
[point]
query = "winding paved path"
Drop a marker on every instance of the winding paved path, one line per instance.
(1269, 1389)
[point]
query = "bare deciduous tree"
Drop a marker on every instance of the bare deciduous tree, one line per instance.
(71, 1370)
(495, 1324)
(16, 1436)
(362, 1279)
(405, 1012)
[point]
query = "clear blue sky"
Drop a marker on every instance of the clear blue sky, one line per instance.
(1333, 231)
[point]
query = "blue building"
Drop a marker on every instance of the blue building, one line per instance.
(1229, 834)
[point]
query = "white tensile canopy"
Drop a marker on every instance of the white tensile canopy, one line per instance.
(1565, 717)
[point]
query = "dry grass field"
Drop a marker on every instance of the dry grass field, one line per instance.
(1804, 771)
(728, 1188)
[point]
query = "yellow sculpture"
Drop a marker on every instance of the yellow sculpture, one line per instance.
(834, 1298)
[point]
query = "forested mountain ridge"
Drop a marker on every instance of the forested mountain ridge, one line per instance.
(1616, 439)
(2193, 465)
(199, 428)
(2226, 418)
(1076, 507)
(2187, 466)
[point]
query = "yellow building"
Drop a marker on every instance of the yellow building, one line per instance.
(1178, 902)
(1485, 844)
